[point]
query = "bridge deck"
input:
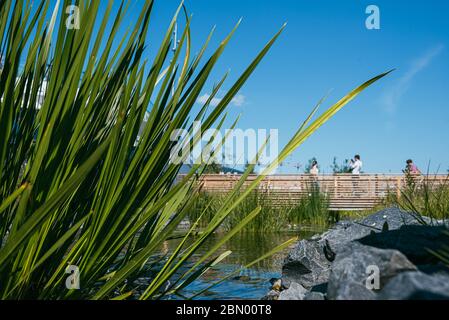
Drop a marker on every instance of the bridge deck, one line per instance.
(344, 191)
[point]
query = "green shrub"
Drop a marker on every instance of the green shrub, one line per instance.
(422, 196)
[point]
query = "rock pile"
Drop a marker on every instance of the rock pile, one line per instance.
(387, 255)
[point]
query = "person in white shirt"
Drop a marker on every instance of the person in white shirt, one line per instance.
(314, 170)
(356, 165)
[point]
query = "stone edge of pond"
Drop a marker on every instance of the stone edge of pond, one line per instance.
(342, 263)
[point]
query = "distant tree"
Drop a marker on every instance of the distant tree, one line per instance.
(247, 166)
(340, 168)
(213, 168)
(309, 165)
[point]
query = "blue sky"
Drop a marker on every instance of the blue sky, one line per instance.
(327, 46)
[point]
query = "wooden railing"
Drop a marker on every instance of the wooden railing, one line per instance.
(344, 191)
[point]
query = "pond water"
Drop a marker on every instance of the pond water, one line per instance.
(253, 283)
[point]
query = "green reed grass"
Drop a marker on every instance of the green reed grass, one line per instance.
(423, 197)
(428, 202)
(275, 215)
(77, 186)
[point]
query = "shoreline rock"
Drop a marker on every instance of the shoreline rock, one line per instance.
(334, 265)
(349, 274)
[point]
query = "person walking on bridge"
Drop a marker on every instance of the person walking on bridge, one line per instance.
(356, 165)
(411, 168)
(412, 174)
(314, 170)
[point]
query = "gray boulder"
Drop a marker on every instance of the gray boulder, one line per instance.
(416, 286)
(272, 295)
(415, 242)
(306, 264)
(294, 292)
(309, 262)
(316, 296)
(434, 269)
(395, 218)
(350, 272)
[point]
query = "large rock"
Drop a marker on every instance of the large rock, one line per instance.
(306, 265)
(350, 271)
(309, 262)
(314, 296)
(395, 218)
(415, 242)
(334, 265)
(294, 292)
(416, 286)
(272, 295)
(434, 269)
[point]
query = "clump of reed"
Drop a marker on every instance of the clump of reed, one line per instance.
(424, 197)
(427, 200)
(275, 215)
(313, 209)
(272, 217)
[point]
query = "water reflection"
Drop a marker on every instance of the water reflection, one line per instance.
(246, 247)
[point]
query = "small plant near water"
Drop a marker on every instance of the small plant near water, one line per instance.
(428, 202)
(275, 215)
(313, 209)
(424, 197)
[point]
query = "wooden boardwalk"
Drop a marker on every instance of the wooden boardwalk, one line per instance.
(344, 191)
